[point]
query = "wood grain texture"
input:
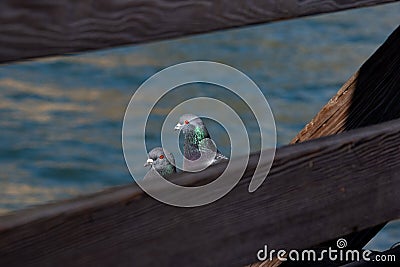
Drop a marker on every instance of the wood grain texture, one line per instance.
(370, 96)
(316, 191)
(45, 27)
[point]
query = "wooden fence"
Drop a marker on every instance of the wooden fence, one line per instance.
(346, 181)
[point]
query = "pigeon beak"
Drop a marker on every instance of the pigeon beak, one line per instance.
(149, 162)
(178, 127)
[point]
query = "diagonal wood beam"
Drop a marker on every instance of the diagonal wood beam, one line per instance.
(370, 96)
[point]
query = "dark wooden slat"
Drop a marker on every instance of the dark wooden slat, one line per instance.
(316, 190)
(45, 27)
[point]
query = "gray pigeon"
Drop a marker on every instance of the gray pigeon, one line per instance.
(159, 163)
(197, 141)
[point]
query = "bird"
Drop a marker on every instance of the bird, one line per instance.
(197, 143)
(159, 163)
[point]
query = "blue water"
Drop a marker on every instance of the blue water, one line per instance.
(61, 118)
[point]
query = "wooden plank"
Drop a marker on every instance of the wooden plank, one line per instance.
(45, 28)
(316, 190)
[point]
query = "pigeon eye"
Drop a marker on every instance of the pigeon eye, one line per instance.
(161, 157)
(186, 122)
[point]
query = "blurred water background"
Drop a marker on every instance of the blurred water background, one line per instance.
(61, 118)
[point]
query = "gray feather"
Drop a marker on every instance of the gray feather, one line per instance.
(160, 163)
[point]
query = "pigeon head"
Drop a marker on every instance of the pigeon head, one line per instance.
(193, 128)
(159, 162)
(195, 133)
